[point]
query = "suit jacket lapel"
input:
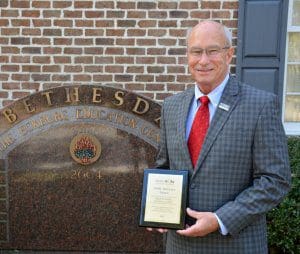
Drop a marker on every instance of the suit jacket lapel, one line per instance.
(227, 103)
(183, 114)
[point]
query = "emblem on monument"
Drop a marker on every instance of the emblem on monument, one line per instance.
(85, 149)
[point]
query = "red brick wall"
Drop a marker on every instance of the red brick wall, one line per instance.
(136, 45)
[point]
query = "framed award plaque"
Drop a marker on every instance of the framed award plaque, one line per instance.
(164, 198)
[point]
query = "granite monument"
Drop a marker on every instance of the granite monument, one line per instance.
(71, 167)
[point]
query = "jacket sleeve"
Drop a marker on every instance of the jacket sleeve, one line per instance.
(271, 172)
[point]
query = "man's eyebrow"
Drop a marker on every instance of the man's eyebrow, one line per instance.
(211, 46)
(193, 48)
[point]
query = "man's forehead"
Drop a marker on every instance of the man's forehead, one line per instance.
(206, 35)
(209, 29)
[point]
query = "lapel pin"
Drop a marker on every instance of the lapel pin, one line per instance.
(224, 106)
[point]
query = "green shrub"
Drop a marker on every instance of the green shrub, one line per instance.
(284, 220)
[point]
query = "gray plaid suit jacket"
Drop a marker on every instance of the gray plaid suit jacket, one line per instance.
(242, 171)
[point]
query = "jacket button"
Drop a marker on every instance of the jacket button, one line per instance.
(193, 185)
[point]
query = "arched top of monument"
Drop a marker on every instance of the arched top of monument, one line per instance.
(80, 95)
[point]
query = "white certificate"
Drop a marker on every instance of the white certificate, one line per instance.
(164, 198)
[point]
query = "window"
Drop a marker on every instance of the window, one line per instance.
(291, 105)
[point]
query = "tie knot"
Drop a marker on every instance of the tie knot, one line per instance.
(204, 100)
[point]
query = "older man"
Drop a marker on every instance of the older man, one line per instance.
(230, 137)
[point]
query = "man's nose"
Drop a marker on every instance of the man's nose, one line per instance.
(203, 58)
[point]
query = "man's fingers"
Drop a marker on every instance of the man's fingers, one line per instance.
(190, 231)
(192, 213)
(206, 223)
(160, 230)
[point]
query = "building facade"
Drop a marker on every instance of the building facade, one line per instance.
(141, 46)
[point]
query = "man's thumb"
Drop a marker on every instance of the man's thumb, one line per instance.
(192, 213)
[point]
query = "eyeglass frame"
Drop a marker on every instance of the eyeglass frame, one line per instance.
(216, 51)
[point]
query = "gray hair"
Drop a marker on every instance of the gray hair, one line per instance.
(228, 35)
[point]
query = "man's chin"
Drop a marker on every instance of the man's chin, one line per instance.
(203, 82)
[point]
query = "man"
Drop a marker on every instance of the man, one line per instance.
(242, 169)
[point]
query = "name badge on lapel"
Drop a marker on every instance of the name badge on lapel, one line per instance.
(224, 106)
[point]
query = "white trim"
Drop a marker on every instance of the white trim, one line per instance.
(290, 13)
(291, 128)
(292, 29)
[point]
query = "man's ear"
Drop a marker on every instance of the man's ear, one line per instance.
(230, 53)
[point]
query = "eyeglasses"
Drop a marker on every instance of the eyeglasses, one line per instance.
(210, 52)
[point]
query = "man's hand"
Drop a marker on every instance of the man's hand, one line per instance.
(206, 222)
(160, 230)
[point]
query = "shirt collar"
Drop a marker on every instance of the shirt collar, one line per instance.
(215, 95)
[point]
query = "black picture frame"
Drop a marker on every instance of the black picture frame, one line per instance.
(161, 207)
